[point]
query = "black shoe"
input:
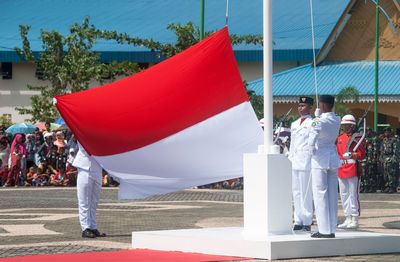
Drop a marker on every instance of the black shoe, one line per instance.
(88, 233)
(97, 233)
(391, 190)
(297, 227)
(386, 190)
(372, 190)
(319, 235)
(362, 190)
(307, 228)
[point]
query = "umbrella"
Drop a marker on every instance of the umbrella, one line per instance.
(41, 126)
(21, 128)
(63, 127)
(59, 121)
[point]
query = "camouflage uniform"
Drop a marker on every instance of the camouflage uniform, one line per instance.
(389, 157)
(369, 181)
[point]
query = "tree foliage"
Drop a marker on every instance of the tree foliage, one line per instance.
(5, 122)
(186, 36)
(68, 64)
(347, 94)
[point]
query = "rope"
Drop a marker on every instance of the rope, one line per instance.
(226, 15)
(316, 88)
(313, 47)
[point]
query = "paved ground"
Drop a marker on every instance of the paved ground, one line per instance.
(45, 220)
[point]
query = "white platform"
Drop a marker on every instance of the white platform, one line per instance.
(231, 242)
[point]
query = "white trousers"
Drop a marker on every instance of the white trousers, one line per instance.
(302, 197)
(88, 188)
(350, 195)
(325, 192)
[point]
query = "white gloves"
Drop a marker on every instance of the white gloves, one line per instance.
(347, 155)
(317, 112)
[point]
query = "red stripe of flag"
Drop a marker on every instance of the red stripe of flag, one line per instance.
(139, 110)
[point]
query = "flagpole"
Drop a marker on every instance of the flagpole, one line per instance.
(267, 71)
(376, 68)
(202, 4)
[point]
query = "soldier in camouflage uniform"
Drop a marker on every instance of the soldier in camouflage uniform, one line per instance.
(369, 181)
(389, 157)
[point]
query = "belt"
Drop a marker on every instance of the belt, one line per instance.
(348, 161)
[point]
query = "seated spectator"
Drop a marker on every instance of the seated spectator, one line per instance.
(105, 178)
(109, 180)
(4, 174)
(70, 158)
(22, 179)
(44, 166)
(61, 159)
(48, 175)
(239, 184)
(227, 184)
(29, 176)
(60, 179)
(39, 179)
(218, 185)
(53, 157)
(72, 174)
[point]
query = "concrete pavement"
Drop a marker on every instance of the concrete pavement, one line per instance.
(45, 220)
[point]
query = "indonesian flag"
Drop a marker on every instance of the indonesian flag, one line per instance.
(181, 123)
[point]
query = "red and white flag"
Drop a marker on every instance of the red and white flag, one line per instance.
(181, 123)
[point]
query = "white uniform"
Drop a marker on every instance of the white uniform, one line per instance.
(88, 188)
(301, 171)
(324, 170)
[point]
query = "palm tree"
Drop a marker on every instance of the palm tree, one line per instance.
(349, 93)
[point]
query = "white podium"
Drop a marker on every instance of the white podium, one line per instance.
(267, 227)
(267, 195)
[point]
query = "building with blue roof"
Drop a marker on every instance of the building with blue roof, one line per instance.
(149, 19)
(347, 59)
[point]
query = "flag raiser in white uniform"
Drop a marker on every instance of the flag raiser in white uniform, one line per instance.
(325, 163)
(301, 170)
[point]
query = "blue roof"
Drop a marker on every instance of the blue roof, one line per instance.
(334, 76)
(149, 19)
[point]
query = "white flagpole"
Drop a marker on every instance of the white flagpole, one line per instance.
(267, 69)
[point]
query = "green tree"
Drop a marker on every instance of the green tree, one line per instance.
(5, 122)
(186, 36)
(257, 102)
(68, 64)
(347, 94)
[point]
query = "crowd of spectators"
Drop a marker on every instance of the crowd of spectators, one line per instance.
(43, 158)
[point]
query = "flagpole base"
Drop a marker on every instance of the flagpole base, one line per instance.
(267, 195)
(231, 241)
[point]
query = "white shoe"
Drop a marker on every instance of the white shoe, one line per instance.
(353, 224)
(345, 223)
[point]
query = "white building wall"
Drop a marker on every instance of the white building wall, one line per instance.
(251, 71)
(14, 93)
